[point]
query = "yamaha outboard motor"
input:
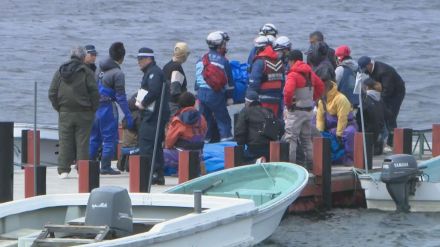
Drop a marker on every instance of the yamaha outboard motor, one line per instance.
(110, 206)
(400, 174)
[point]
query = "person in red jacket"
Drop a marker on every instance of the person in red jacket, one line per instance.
(303, 87)
(186, 131)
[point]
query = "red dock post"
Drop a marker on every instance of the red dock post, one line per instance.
(29, 190)
(234, 156)
(139, 172)
(88, 175)
(359, 161)
(435, 140)
(322, 168)
(278, 151)
(402, 141)
(27, 147)
(189, 165)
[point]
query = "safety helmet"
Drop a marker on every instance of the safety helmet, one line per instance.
(261, 41)
(281, 43)
(216, 39)
(268, 29)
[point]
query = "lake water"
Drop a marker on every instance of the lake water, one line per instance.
(36, 37)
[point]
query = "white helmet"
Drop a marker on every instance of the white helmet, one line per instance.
(261, 41)
(268, 29)
(216, 39)
(281, 43)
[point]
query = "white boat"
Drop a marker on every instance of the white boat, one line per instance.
(158, 220)
(272, 186)
(423, 194)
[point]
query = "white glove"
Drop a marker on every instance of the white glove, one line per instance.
(139, 105)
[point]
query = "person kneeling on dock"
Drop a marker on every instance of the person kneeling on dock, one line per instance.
(256, 126)
(335, 119)
(186, 131)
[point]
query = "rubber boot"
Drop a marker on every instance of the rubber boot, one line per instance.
(106, 168)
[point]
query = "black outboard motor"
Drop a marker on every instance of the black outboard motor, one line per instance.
(400, 174)
(110, 206)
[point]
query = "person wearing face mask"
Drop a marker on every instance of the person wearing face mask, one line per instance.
(393, 90)
(317, 37)
(150, 106)
(282, 46)
(267, 75)
(90, 58)
(174, 73)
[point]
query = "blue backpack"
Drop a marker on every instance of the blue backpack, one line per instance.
(241, 77)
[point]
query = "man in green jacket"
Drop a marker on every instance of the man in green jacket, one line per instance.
(74, 95)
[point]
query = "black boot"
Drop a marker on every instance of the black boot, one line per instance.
(106, 168)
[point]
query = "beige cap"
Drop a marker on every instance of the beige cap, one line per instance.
(181, 50)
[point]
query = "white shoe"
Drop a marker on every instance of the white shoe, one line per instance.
(63, 175)
(387, 149)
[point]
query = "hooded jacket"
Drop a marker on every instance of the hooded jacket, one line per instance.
(113, 76)
(266, 77)
(346, 79)
(337, 105)
(392, 83)
(187, 130)
(374, 113)
(73, 88)
(321, 64)
(296, 80)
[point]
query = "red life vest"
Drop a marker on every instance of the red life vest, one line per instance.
(273, 72)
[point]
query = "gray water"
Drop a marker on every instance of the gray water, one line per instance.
(36, 36)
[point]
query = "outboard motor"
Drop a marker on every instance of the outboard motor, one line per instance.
(110, 206)
(400, 174)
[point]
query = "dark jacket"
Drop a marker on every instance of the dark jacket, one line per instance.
(73, 88)
(153, 81)
(392, 83)
(92, 66)
(175, 87)
(249, 124)
(318, 59)
(330, 55)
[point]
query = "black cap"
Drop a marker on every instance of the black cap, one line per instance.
(145, 52)
(91, 49)
(117, 51)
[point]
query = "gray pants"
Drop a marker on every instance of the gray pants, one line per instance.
(74, 137)
(298, 127)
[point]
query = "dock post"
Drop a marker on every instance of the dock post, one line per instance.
(279, 151)
(29, 182)
(359, 161)
(6, 161)
(189, 165)
(435, 140)
(88, 175)
(322, 168)
(402, 141)
(234, 156)
(139, 172)
(197, 201)
(27, 147)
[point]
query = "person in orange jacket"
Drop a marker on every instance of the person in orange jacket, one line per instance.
(186, 131)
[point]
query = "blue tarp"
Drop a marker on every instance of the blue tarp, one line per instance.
(214, 155)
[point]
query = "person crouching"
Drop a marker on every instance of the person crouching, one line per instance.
(335, 116)
(186, 131)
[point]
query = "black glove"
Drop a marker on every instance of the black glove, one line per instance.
(340, 142)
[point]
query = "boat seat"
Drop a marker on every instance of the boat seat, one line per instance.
(143, 221)
(14, 235)
(258, 196)
(8, 243)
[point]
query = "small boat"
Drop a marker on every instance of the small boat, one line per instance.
(272, 186)
(111, 216)
(404, 185)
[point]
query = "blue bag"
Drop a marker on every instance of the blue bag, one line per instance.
(241, 77)
(336, 151)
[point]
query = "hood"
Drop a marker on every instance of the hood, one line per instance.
(375, 95)
(267, 52)
(108, 64)
(189, 115)
(351, 64)
(331, 94)
(301, 67)
(69, 68)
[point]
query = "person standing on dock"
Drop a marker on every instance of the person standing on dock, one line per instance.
(393, 91)
(111, 85)
(174, 73)
(267, 30)
(153, 84)
(74, 95)
(303, 87)
(267, 76)
(346, 74)
(318, 37)
(91, 57)
(215, 86)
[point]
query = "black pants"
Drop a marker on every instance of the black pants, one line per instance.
(392, 105)
(147, 133)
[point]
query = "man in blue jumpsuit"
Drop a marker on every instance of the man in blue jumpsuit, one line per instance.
(153, 81)
(111, 86)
